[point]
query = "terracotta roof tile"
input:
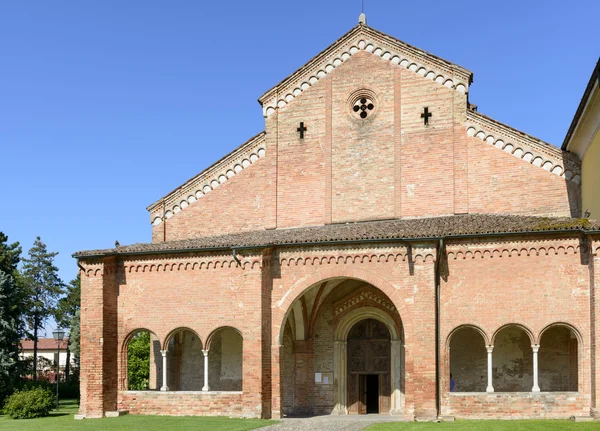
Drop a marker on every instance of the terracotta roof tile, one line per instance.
(404, 229)
(44, 344)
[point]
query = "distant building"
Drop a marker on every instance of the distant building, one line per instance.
(48, 350)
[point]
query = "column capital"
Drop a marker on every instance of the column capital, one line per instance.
(164, 353)
(490, 348)
(205, 352)
(535, 348)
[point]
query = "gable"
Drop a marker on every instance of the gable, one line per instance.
(367, 39)
(389, 164)
(524, 147)
(208, 180)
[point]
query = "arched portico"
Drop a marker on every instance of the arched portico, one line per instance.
(314, 338)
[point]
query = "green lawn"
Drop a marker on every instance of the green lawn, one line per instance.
(562, 425)
(63, 420)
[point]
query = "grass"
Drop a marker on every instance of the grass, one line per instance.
(63, 420)
(509, 425)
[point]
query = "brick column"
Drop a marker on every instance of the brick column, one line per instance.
(270, 350)
(594, 273)
(304, 357)
(422, 340)
(99, 353)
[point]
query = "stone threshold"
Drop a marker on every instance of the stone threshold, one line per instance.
(182, 392)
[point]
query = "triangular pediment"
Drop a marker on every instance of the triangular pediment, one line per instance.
(364, 38)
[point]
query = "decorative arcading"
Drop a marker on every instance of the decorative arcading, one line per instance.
(190, 266)
(386, 49)
(208, 180)
(356, 259)
(501, 252)
(527, 148)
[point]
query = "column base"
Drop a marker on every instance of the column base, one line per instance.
(337, 411)
(490, 389)
(396, 412)
(205, 388)
(164, 389)
(535, 389)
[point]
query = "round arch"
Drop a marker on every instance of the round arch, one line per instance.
(348, 321)
(131, 334)
(340, 365)
(175, 331)
(284, 305)
(486, 339)
(124, 356)
(216, 331)
(569, 326)
(524, 328)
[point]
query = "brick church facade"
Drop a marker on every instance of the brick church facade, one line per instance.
(379, 237)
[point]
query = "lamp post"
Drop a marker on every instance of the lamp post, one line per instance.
(59, 335)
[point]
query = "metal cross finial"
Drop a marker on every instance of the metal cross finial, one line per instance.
(426, 115)
(301, 129)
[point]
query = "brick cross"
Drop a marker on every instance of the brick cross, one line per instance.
(301, 129)
(425, 116)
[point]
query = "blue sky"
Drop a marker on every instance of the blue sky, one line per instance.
(107, 106)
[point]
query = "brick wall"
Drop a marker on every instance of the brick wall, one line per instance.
(185, 404)
(511, 405)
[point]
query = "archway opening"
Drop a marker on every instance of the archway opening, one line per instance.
(185, 361)
(468, 361)
(225, 358)
(558, 360)
(144, 361)
(512, 360)
(368, 350)
(314, 359)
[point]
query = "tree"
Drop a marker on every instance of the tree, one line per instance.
(10, 255)
(43, 287)
(11, 311)
(74, 336)
(10, 323)
(68, 306)
(138, 361)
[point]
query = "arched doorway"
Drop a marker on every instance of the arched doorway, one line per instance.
(368, 360)
(317, 329)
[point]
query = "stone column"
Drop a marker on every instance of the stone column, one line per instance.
(395, 375)
(536, 386)
(205, 388)
(490, 387)
(339, 377)
(164, 387)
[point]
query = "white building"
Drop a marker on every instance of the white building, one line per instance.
(48, 350)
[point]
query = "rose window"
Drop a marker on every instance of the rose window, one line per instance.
(363, 106)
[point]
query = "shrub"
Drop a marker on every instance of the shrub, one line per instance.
(28, 404)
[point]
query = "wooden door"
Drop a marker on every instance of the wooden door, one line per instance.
(362, 394)
(368, 354)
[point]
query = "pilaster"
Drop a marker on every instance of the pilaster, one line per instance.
(99, 352)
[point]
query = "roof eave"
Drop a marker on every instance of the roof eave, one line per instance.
(594, 80)
(113, 252)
